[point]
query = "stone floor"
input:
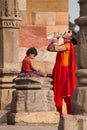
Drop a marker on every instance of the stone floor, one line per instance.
(30, 127)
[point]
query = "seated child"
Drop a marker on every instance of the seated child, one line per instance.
(28, 67)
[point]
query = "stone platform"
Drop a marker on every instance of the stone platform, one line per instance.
(24, 118)
(32, 102)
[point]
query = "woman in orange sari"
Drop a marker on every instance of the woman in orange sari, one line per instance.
(64, 80)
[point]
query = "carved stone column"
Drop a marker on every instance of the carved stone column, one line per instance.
(9, 44)
(79, 102)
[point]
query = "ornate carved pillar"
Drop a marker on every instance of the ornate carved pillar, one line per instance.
(79, 102)
(9, 44)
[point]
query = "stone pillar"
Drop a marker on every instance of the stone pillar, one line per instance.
(78, 121)
(32, 102)
(79, 102)
(9, 45)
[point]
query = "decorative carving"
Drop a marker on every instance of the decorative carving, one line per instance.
(10, 23)
(2, 7)
(16, 9)
(6, 8)
(9, 8)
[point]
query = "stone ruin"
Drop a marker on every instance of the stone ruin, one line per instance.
(32, 102)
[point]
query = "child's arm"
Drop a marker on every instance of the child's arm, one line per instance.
(33, 65)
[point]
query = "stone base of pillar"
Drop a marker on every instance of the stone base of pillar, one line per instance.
(73, 122)
(79, 99)
(6, 87)
(3, 117)
(27, 118)
(32, 102)
(35, 100)
(79, 102)
(32, 95)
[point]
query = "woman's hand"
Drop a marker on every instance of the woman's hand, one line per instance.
(50, 48)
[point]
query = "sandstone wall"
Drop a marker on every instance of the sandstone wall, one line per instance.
(48, 5)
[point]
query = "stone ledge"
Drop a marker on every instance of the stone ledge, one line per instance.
(23, 118)
(32, 82)
(21, 80)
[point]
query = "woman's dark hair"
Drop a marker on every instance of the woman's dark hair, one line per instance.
(74, 41)
(32, 50)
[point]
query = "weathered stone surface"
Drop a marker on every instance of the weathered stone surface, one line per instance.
(82, 35)
(32, 80)
(81, 77)
(57, 28)
(83, 53)
(29, 127)
(33, 118)
(3, 117)
(79, 102)
(56, 6)
(32, 94)
(83, 7)
(32, 101)
(70, 122)
(61, 18)
(5, 98)
(44, 18)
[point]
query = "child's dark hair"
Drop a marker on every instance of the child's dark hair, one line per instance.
(32, 50)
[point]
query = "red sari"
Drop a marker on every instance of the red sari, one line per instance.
(64, 74)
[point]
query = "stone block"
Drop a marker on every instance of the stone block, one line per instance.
(32, 82)
(83, 52)
(3, 117)
(34, 100)
(43, 5)
(73, 122)
(62, 18)
(22, 5)
(32, 94)
(25, 118)
(5, 98)
(57, 28)
(43, 18)
(79, 102)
